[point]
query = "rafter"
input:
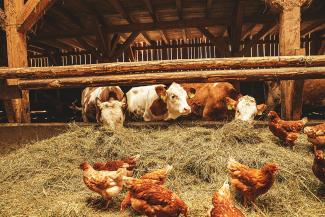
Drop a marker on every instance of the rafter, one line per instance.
(155, 19)
(125, 45)
(220, 43)
(236, 27)
(256, 38)
(124, 13)
(208, 8)
(316, 25)
(179, 8)
(33, 10)
(70, 16)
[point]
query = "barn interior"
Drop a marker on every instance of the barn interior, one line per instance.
(75, 32)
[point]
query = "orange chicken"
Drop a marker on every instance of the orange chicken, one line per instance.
(113, 165)
(316, 135)
(286, 131)
(157, 176)
(223, 205)
(319, 165)
(106, 183)
(154, 200)
(251, 182)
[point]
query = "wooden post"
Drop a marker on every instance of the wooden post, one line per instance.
(17, 110)
(289, 41)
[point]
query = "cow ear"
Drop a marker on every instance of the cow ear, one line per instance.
(161, 91)
(98, 103)
(260, 109)
(124, 103)
(231, 104)
(191, 93)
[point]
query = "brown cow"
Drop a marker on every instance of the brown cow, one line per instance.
(104, 105)
(313, 93)
(213, 101)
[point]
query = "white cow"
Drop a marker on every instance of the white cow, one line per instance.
(154, 102)
(104, 105)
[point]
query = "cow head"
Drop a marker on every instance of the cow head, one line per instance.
(246, 108)
(111, 113)
(175, 98)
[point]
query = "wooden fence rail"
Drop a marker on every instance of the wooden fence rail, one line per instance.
(162, 66)
(186, 77)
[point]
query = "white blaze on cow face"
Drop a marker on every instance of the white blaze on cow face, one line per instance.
(110, 113)
(176, 99)
(246, 108)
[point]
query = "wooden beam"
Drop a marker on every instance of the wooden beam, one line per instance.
(180, 77)
(313, 27)
(130, 54)
(236, 27)
(125, 45)
(9, 92)
(160, 66)
(155, 19)
(2, 19)
(208, 8)
(179, 8)
(289, 42)
(92, 9)
(255, 38)
(70, 16)
(17, 110)
(220, 43)
(32, 11)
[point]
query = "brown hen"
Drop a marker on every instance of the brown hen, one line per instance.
(106, 183)
(319, 165)
(251, 182)
(157, 176)
(223, 205)
(286, 131)
(113, 165)
(316, 135)
(154, 200)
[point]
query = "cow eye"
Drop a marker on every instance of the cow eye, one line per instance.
(173, 96)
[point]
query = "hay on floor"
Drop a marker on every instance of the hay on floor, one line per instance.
(44, 179)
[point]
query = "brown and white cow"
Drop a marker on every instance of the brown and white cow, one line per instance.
(218, 101)
(155, 102)
(313, 93)
(104, 105)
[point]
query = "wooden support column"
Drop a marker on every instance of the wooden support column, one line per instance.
(289, 41)
(17, 110)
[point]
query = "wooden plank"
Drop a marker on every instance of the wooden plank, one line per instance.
(165, 65)
(2, 19)
(179, 9)
(180, 77)
(208, 7)
(33, 10)
(17, 110)
(9, 92)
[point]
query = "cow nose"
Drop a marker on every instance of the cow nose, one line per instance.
(187, 110)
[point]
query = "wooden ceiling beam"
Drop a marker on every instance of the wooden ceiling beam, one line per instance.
(125, 14)
(187, 23)
(99, 17)
(220, 43)
(70, 16)
(179, 8)
(155, 19)
(33, 10)
(125, 45)
(208, 7)
(311, 28)
(256, 38)
(236, 26)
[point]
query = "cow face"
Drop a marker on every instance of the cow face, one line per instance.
(111, 113)
(246, 108)
(176, 99)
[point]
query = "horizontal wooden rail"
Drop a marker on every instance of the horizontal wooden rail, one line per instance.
(160, 66)
(293, 73)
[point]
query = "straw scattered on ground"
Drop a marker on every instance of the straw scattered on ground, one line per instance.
(44, 179)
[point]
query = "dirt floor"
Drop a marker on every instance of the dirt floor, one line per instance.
(44, 179)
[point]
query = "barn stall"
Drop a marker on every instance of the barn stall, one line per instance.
(52, 49)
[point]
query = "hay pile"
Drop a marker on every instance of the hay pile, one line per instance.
(43, 179)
